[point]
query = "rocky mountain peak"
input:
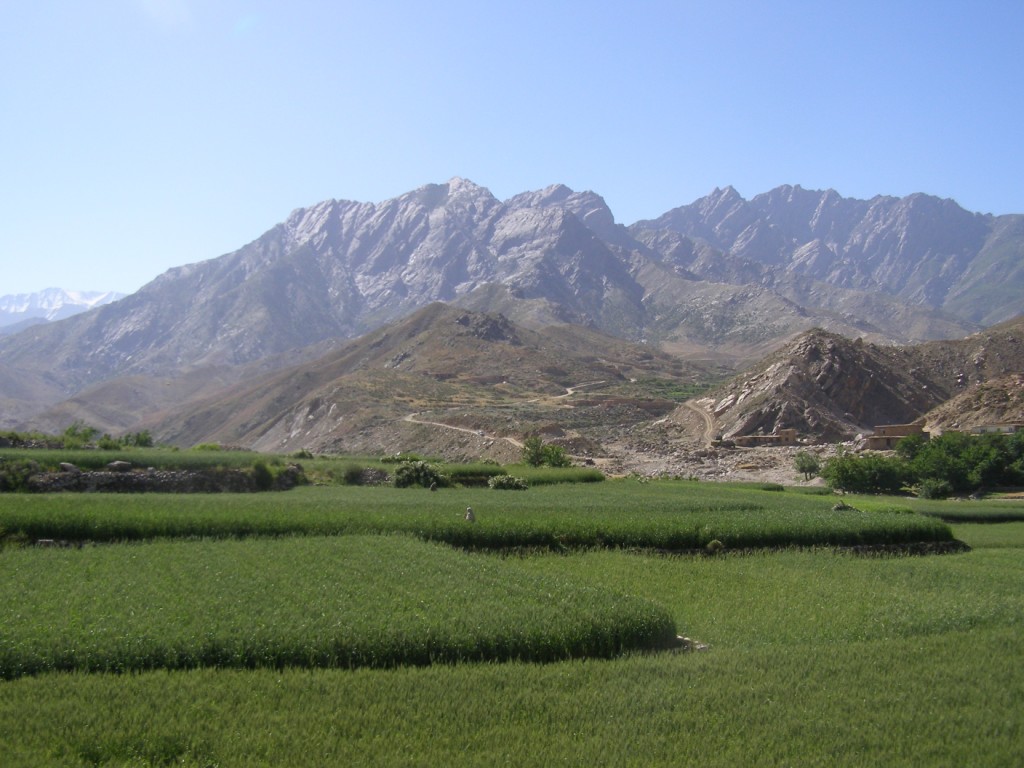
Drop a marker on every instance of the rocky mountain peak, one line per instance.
(720, 278)
(589, 207)
(50, 304)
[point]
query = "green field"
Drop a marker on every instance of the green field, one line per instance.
(814, 656)
(345, 601)
(673, 515)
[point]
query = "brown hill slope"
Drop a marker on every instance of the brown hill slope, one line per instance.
(997, 401)
(829, 387)
(460, 368)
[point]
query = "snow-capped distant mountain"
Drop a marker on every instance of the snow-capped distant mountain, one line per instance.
(20, 310)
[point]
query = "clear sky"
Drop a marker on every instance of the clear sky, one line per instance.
(138, 135)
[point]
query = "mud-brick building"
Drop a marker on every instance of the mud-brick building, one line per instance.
(885, 437)
(1009, 428)
(777, 438)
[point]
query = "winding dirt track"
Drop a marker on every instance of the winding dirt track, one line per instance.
(411, 418)
(569, 391)
(709, 423)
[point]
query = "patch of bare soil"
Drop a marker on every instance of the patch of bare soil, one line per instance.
(761, 465)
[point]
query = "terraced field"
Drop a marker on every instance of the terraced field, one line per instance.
(340, 625)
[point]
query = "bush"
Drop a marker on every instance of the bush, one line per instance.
(418, 473)
(262, 476)
(78, 435)
(507, 483)
(931, 488)
(536, 454)
(772, 487)
(555, 456)
(352, 474)
(714, 547)
(141, 439)
(400, 458)
(14, 475)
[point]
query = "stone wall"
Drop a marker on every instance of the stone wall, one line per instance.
(159, 481)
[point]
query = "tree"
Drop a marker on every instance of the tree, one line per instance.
(870, 473)
(536, 454)
(910, 446)
(807, 464)
(141, 439)
(533, 451)
(78, 434)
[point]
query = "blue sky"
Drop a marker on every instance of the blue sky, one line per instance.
(137, 135)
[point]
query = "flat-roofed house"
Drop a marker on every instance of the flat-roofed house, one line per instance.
(885, 437)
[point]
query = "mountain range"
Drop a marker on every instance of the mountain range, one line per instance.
(19, 311)
(717, 284)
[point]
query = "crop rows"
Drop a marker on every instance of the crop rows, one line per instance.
(669, 515)
(814, 659)
(299, 602)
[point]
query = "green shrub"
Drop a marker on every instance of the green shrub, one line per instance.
(536, 454)
(507, 483)
(206, 447)
(352, 474)
(262, 476)
(771, 487)
(931, 488)
(108, 443)
(555, 456)
(141, 439)
(400, 458)
(78, 435)
(14, 475)
(419, 473)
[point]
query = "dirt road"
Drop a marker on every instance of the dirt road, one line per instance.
(709, 424)
(411, 418)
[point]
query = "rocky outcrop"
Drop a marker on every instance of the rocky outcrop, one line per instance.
(826, 386)
(831, 388)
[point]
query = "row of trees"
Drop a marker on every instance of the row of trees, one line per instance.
(80, 435)
(952, 463)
